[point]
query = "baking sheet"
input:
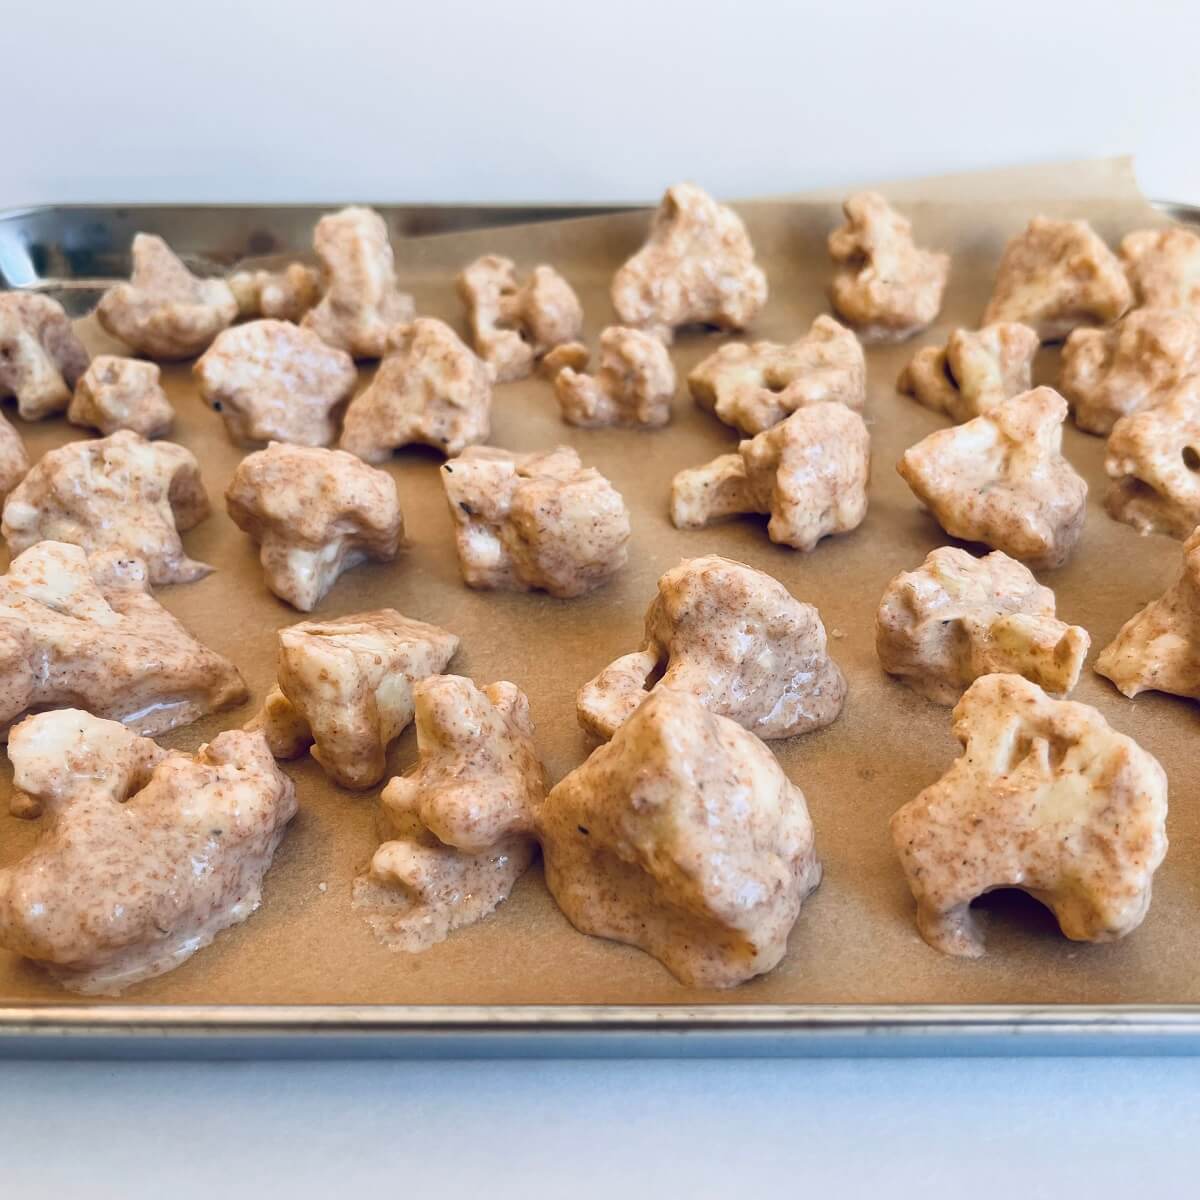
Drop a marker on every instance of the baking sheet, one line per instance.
(855, 942)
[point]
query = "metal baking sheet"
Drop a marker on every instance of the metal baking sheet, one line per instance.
(302, 977)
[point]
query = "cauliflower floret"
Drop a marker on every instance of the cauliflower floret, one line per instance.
(14, 460)
(85, 632)
(146, 854)
(164, 311)
(753, 387)
(1057, 275)
(958, 617)
(886, 287)
(809, 472)
(1110, 373)
(346, 689)
(1153, 459)
(1163, 267)
(316, 513)
(1046, 797)
(526, 521)
(513, 326)
(974, 371)
(119, 493)
(633, 386)
(734, 638)
(361, 306)
(1158, 649)
(280, 295)
(430, 389)
(696, 268)
(1001, 479)
(684, 837)
(273, 381)
(458, 828)
(40, 357)
(121, 393)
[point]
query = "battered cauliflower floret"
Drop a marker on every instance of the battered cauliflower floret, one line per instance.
(117, 393)
(80, 631)
(696, 268)
(280, 295)
(361, 306)
(809, 472)
(430, 390)
(734, 638)
(633, 386)
(1047, 798)
(40, 357)
(512, 325)
(535, 521)
(146, 854)
(315, 513)
(753, 387)
(164, 311)
(886, 288)
(1110, 373)
(1158, 649)
(684, 837)
(958, 617)
(1153, 459)
(974, 371)
(1055, 276)
(570, 354)
(1001, 479)
(14, 460)
(1163, 267)
(345, 688)
(458, 828)
(119, 493)
(273, 381)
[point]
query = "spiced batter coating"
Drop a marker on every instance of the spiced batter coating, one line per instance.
(41, 359)
(809, 472)
(120, 493)
(361, 305)
(345, 689)
(146, 854)
(696, 268)
(315, 513)
(284, 295)
(272, 381)
(117, 393)
(535, 521)
(514, 325)
(1047, 798)
(430, 390)
(458, 827)
(164, 311)
(1001, 479)
(886, 287)
(682, 836)
(84, 632)
(753, 387)
(1129, 367)
(632, 387)
(974, 371)
(1056, 276)
(957, 617)
(1158, 649)
(1163, 267)
(734, 638)
(14, 459)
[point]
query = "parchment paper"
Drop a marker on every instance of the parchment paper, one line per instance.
(855, 940)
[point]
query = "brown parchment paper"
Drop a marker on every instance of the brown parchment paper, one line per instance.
(855, 941)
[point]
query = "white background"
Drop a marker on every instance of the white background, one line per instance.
(520, 100)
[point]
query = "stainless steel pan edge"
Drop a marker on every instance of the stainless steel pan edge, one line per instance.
(95, 239)
(380, 1031)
